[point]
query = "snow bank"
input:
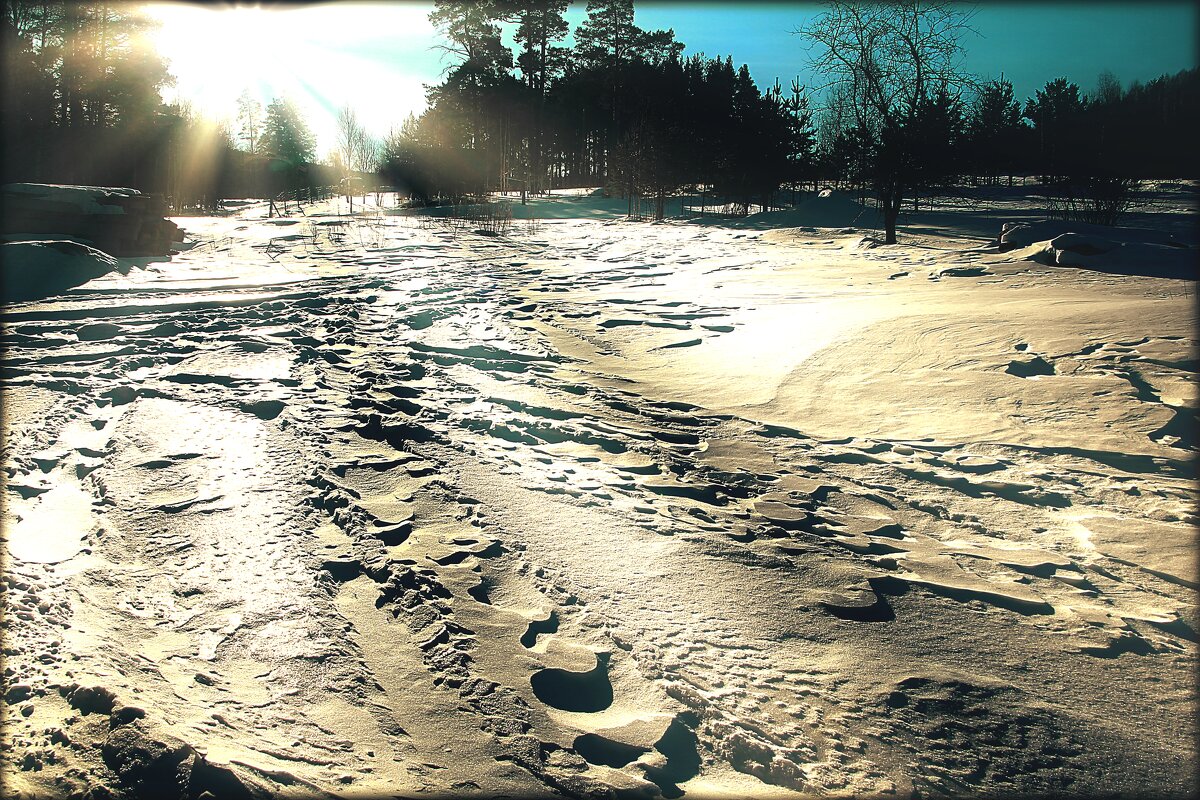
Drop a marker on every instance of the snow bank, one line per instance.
(1132, 258)
(80, 199)
(1130, 251)
(117, 220)
(1014, 235)
(33, 270)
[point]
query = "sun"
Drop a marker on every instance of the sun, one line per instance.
(374, 57)
(218, 50)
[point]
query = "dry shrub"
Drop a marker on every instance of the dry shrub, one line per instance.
(1099, 200)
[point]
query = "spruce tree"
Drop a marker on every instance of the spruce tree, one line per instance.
(995, 130)
(285, 134)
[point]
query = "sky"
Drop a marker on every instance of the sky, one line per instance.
(378, 57)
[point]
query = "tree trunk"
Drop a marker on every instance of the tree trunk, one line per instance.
(71, 102)
(102, 101)
(539, 122)
(890, 199)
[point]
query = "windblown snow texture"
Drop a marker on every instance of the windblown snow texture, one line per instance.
(338, 505)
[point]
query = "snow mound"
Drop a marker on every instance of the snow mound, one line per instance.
(33, 270)
(1128, 251)
(1014, 235)
(81, 199)
(826, 209)
(119, 221)
(1132, 258)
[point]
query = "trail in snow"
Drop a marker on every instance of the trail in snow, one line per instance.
(664, 509)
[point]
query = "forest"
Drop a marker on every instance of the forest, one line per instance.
(623, 108)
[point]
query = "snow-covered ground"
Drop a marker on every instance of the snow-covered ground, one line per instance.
(376, 504)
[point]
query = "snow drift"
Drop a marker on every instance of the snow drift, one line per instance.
(377, 506)
(37, 269)
(121, 222)
(1129, 251)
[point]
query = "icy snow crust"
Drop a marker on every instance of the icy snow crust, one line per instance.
(377, 505)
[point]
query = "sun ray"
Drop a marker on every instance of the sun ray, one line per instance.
(319, 57)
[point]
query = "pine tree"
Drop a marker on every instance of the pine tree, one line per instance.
(606, 38)
(936, 135)
(995, 130)
(1056, 112)
(540, 23)
(801, 135)
(285, 134)
(473, 30)
(80, 78)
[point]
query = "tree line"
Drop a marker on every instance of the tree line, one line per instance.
(622, 108)
(890, 111)
(893, 113)
(903, 117)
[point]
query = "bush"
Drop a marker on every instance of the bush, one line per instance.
(492, 218)
(1096, 200)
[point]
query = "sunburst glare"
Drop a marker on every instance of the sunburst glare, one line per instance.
(371, 57)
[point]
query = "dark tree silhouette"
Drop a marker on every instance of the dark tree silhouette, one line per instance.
(1057, 116)
(623, 110)
(801, 134)
(540, 23)
(995, 132)
(1092, 152)
(472, 28)
(936, 135)
(478, 93)
(1152, 128)
(1108, 89)
(80, 78)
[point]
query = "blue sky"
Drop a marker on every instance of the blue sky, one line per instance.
(1031, 43)
(377, 57)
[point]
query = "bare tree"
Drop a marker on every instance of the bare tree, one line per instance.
(1108, 89)
(357, 150)
(354, 143)
(885, 62)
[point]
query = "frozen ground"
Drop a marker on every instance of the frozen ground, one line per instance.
(370, 505)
